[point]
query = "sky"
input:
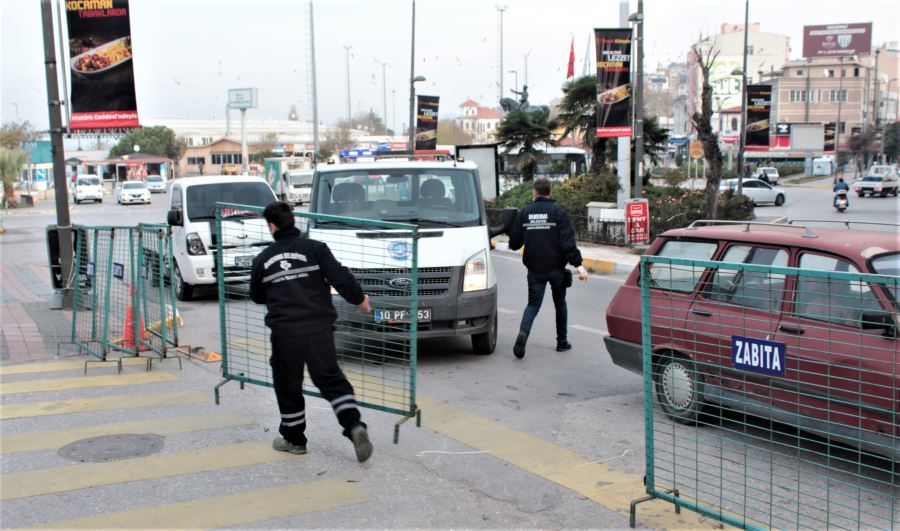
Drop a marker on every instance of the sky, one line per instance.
(188, 53)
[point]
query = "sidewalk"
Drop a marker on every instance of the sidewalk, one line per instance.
(602, 259)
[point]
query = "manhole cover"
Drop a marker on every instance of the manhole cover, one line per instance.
(112, 447)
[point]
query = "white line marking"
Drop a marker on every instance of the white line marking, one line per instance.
(599, 331)
(510, 258)
(420, 454)
(506, 310)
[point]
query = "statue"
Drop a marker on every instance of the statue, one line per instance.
(510, 104)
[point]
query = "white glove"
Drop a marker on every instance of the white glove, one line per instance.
(582, 274)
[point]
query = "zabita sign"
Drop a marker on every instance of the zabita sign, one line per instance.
(757, 355)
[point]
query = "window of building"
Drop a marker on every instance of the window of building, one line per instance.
(734, 124)
(815, 96)
(196, 161)
(829, 72)
(842, 126)
(190, 141)
(797, 95)
(839, 95)
(856, 71)
(226, 158)
(799, 73)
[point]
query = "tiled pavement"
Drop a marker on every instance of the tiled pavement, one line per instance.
(29, 330)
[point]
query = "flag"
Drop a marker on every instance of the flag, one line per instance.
(570, 72)
(585, 66)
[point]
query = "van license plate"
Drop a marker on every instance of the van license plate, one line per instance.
(243, 261)
(423, 315)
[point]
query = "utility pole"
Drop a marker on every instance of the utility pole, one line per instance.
(500, 9)
(639, 103)
(875, 94)
(740, 183)
(384, 89)
(412, 81)
(349, 114)
(623, 144)
(63, 223)
(394, 111)
(837, 126)
(315, 101)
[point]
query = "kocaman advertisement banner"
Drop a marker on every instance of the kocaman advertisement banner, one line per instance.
(426, 122)
(836, 40)
(613, 82)
(759, 105)
(100, 62)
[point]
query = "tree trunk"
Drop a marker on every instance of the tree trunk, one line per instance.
(710, 140)
(598, 156)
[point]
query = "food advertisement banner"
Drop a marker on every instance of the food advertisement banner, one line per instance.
(759, 103)
(835, 40)
(613, 82)
(426, 122)
(829, 137)
(100, 61)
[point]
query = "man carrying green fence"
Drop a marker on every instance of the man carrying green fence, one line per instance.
(292, 277)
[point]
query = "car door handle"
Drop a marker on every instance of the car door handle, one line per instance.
(792, 329)
(704, 313)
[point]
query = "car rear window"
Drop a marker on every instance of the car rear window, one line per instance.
(678, 277)
(888, 264)
(90, 181)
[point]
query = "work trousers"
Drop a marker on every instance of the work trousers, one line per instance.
(537, 286)
(315, 351)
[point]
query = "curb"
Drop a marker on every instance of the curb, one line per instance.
(602, 267)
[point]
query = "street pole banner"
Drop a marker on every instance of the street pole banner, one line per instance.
(100, 61)
(613, 82)
(426, 122)
(829, 137)
(759, 103)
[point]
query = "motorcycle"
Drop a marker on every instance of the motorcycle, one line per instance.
(840, 201)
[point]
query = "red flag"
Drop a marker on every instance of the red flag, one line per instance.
(570, 72)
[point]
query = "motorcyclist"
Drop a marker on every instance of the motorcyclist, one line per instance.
(839, 187)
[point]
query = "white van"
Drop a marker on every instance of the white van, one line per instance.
(88, 187)
(193, 219)
(457, 282)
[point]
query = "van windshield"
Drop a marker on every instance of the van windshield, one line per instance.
(435, 197)
(88, 181)
(201, 199)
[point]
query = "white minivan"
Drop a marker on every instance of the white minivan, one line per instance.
(192, 216)
(88, 187)
(457, 293)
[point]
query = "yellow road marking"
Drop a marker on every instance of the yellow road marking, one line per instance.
(233, 510)
(81, 382)
(85, 475)
(106, 403)
(598, 482)
(66, 365)
(46, 440)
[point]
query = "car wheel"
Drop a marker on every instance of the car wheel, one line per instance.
(678, 385)
(183, 290)
(860, 194)
(779, 200)
(100, 200)
(884, 194)
(485, 343)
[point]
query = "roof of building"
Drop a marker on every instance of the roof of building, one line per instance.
(469, 103)
(486, 113)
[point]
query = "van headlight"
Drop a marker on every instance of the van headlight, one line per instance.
(195, 244)
(475, 277)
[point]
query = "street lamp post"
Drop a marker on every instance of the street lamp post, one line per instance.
(740, 183)
(347, 53)
(516, 85)
(384, 89)
(526, 66)
(638, 19)
(837, 126)
(412, 80)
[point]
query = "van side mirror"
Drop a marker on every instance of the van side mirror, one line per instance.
(880, 321)
(507, 218)
(174, 217)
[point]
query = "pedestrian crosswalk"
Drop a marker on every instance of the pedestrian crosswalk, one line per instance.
(215, 441)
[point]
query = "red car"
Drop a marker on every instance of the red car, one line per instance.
(811, 351)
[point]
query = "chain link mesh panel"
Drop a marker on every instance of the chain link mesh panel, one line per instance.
(376, 351)
(772, 394)
(156, 292)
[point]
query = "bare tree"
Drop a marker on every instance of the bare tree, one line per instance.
(703, 125)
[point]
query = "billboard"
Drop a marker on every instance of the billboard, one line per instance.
(835, 40)
(759, 104)
(100, 60)
(807, 137)
(426, 122)
(243, 98)
(828, 136)
(613, 82)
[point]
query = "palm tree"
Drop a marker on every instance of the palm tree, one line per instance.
(578, 114)
(11, 162)
(526, 131)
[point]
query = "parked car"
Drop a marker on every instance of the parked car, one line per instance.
(770, 172)
(758, 191)
(155, 183)
(840, 371)
(192, 216)
(131, 192)
(88, 187)
(880, 179)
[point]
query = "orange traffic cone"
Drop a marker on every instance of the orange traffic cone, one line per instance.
(128, 328)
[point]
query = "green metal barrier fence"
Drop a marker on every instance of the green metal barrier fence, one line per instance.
(122, 302)
(376, 351)
(772, 394)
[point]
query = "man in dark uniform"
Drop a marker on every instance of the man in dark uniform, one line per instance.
(546, 231)
(292, 277)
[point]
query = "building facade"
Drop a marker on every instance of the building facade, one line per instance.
(479, 122)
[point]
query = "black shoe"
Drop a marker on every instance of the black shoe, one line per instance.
(562, 346)
(282, 445)
(361, 443)
(519, 347)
